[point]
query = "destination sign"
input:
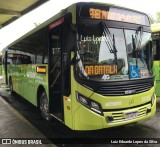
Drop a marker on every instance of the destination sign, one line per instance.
(101, 69)
(114, 13)
(56, 23)
(118, 16)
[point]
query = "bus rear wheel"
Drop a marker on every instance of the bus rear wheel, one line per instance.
(44, 106)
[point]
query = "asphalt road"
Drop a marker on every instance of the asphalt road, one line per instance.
(149, 129)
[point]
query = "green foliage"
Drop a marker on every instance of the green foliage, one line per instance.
(156, 19)
(151, 19)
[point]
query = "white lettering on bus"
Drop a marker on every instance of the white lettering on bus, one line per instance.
(146, 98)
(115, 103)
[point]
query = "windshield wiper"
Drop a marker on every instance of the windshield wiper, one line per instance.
(114, 49)
(110, 42)
(138, 41)
(134, 50)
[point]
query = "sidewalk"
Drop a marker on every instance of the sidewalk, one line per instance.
(14, 125)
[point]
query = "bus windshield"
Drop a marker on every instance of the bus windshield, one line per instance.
(112, 53)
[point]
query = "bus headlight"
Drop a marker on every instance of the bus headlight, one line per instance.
(94, 106)
(152, 99)
(83, 100)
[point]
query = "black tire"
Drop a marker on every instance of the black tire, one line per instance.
(11, 87)
(44, 106)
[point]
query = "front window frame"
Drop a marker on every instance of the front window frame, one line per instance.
(146, 29)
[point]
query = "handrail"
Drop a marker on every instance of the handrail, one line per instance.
(56, 79)
(55, 65)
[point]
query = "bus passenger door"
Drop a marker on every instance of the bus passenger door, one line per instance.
(55, 69)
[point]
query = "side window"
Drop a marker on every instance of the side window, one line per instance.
(36, 47)
(29, 61)
(41, 55)
(39, 58)
(45, 60)
(32, 49)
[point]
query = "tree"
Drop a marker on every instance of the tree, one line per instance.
(152, 20)
(158, 17)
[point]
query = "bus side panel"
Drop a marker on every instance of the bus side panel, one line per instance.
(14, 73)
(157, 73)
(34, 80)
(41, 79)
(26, 81)
(22, 80)
(19, 79)
(30, 93)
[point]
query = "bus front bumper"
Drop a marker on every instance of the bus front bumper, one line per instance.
(85, 119)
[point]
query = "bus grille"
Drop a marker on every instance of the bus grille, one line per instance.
(120, 116)
(125, 89)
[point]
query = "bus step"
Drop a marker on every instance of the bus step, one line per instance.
(58, 115)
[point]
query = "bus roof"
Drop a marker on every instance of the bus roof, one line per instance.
(155, 27)
(56, 16)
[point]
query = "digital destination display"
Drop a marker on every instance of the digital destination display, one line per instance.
(106, 12)
(115, 15)
(101, 69)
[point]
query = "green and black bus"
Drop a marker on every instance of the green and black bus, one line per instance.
(156, 50)
(89, 66)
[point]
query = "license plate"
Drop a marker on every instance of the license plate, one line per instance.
(131, 115)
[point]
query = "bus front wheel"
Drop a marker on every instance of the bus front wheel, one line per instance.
(44, 106)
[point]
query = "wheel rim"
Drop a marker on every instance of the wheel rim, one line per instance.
(44, 107)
